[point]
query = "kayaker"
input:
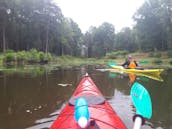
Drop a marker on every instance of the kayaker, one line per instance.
(130, 63)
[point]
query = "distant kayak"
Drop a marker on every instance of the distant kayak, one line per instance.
(141, 71)
(88, 109)
(147, 75)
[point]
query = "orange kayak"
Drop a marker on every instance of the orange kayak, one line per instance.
(99, 113)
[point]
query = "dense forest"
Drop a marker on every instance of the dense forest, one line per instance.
(40, 24)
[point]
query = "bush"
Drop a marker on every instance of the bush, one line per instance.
(157, 61)
(170, 62)
(169, 54)
(122, 53)
(41, 56)
(1, 58)
(9, 57)
(33, 56)
(9, 51)
(111, 55)
(114, 55)
(44, 58)
(157, 55)
(151, 54)
(48, 57)
(21, 56)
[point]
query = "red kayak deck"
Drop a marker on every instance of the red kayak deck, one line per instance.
(101, 113)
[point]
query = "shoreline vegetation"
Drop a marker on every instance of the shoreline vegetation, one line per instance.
(33, 57)
(24, 26)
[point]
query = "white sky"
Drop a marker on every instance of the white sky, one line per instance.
(88, 13)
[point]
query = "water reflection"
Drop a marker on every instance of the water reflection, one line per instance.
(158, 93)
(33, 101)
(137, 101)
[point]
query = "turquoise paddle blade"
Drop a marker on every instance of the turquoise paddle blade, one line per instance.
(141, 100)
(144, 62)
(112, 64)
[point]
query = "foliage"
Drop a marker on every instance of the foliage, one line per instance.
(32, 56)
(111, 55)
(154, 25)
(169, 53)
(37, 24)
(125, 40)
(40, 24)
(41, 56)
(21, 56)
(9, 57)
(157, 61)
(48, 57)
(9, 51)
(170, 62)
(151, 54)
(157, 54)
(1, 59)
(35, 56)
(114, 55)
(100, 41)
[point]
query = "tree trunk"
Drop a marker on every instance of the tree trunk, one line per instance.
(3, 39)
(47, 38)
(62, 50)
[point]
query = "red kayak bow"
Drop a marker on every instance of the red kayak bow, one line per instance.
(93, 112)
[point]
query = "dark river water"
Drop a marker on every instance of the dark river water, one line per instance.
(32, 98)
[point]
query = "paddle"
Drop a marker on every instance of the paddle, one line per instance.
(144, 62)
(142, 102)
(112, 64)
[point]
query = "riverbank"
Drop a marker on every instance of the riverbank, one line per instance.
(144, 59)
(148, 61)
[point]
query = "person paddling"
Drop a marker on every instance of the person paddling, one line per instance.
(130, 63)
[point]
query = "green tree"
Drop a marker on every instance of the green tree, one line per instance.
(100, 40)
(154, 25)
(126, 40)
(31, 24)
(5, 11)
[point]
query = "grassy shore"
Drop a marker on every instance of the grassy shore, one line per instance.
(144, 58)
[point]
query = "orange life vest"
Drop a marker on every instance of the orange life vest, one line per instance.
(132, 65)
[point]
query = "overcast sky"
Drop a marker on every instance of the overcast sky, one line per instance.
(88, 13)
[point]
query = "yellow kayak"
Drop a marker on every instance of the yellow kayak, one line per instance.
(139, 71)
(148, 75)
